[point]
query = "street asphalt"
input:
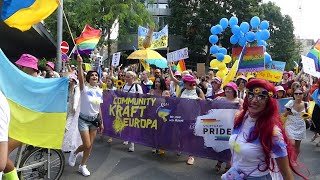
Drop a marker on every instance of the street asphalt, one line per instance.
(113, 162)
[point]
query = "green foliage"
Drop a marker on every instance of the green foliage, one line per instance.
(100, 14)
(193, 19)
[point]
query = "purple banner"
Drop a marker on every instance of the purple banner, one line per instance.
(196, 127)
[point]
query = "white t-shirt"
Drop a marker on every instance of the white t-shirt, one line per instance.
(4, 118)
(247, 156)
(90, 100)
(136, 88)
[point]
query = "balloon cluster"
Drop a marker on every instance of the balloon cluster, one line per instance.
(241, 35)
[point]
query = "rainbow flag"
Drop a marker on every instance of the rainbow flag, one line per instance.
(88, 40)
(38, 106)
(181, 66)
(22, 14)
(314, 54)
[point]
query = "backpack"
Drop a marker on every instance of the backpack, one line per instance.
(197, 90)
(135, 85)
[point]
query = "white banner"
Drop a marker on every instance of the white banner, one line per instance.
(116, 59)
(178, 55)
(309, 66)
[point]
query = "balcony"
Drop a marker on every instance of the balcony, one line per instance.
(159, 11)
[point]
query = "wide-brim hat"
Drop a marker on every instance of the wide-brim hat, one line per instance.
(27, 60)
(188, 78)
(51, 64)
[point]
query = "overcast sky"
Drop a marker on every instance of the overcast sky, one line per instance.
(306, 22)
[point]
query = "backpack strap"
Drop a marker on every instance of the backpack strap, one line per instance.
(136, 86)
(130, 87)
(198, 91)
(306, 107)
(182, 91)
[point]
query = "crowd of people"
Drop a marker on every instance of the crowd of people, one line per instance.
(262, 143)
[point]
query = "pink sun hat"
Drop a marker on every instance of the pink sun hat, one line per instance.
(232, 85)
(177, 73)
(51, 64)
(189, 78)
(27, 60)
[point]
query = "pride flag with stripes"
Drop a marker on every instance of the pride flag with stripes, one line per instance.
(88, 40)
(38, 106)
(22, 14)
(314, 54)
(181, 66)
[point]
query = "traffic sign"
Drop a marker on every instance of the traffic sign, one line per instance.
(64, 46)
(64, 57)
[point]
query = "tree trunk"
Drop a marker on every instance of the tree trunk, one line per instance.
(109, 48)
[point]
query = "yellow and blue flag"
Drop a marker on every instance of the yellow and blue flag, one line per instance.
(38, 106)
(22, 14)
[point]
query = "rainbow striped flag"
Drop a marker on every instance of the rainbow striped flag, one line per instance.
(314, 54)
(38, 106)
(88, 40)
(22, 14)
(181, 66)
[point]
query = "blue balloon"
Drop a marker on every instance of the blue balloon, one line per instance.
(213, 30)
(224, 23)
(258, 35)
(242, 41)
(213, 39)
(214, 49)
(233, 21)
(264, 25)
(219, 28)
(261, 43)
(250, 36)
(244, 27)
(234, 39)
(254, 22)
(223, 51)
(220, 57)
(265, 34)
(235, 29)
(267, 58)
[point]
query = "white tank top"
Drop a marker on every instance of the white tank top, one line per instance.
(189, 94)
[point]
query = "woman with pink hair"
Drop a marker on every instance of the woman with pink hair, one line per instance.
(259, 142)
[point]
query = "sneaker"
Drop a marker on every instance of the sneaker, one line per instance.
(131, 147)
(190, 160)
(125, 142)
(83, 170)
(154, 150)
(72, 159)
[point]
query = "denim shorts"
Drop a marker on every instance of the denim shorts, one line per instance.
(265, 177)
(84, 125)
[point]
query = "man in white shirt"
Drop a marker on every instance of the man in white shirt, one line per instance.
(4, 127)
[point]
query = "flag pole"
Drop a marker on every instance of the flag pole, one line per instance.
(59, 35)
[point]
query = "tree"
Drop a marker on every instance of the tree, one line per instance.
(282, 44)
(193, 19)
(102, 14)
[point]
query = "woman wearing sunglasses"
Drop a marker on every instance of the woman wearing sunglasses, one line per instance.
(295, 124)
(258, 142)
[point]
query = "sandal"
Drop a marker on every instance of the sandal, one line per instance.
(109, 140)
(314, 137)
(218, 167)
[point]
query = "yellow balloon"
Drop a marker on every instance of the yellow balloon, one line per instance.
(225, 71)
(222, 66)
(220, 74)
(214, 63)
(227, 59)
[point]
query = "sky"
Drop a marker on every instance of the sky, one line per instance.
(306, 22)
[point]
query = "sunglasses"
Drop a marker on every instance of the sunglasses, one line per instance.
(178, 76)
(259, 97)
(299, 94)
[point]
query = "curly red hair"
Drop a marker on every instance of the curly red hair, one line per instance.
(265, 124)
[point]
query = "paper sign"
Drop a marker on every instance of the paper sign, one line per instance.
(273, 71)
(116, 59)
(308, 65)
(178, 55)
(159, 39)
(252, 61)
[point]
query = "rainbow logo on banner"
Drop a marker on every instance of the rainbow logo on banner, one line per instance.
(23, 14)
(88, 40)
(252, 61)
(38, 106)
(209, 121)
